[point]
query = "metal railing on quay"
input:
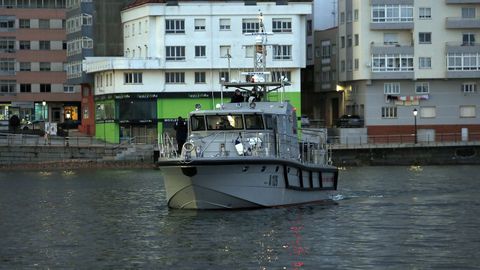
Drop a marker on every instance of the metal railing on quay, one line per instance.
(405, 140)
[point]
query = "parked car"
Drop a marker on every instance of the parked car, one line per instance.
(349, 120)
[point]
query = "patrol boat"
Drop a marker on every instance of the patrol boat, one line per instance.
(248, 154)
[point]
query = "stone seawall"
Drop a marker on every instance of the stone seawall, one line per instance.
(64, 157)
(61, 157)
(419, 155)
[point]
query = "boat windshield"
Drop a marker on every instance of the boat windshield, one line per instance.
(253, 121)
(224, 122)
(197, 122)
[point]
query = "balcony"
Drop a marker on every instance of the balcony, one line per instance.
(452, 2)
(462, 23)
(98, 64)
(391, 48)
(391, 25)
(465, 47)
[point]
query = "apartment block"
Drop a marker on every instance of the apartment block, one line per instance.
(397, 57)
(32, 56)
(177, 53)
(93, 29)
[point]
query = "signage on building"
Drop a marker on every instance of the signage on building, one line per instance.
(22, 104)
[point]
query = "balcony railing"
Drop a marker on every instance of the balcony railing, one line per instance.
(462, 23)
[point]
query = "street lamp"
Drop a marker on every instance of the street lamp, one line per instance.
(44, 104)
(415, 112)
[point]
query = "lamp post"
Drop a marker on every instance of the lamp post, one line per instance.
(415, 112)
(44, 104)
(67, 127)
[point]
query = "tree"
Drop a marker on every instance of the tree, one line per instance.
(14, 123)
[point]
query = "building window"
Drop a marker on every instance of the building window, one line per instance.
(468, 39)
(355, 15)
(174, 77)
(326, 49)
(45, 88)
(132, 78)
(199, 24)
(390, 39)
(309, 27)
(175, 26)
(357, 64)
(425, 13)
(392, 13)
(7, 65)
(25, 88)
(25, 66)
(7, 86)
(24, 23)
(342, 66)
(425, 37)
(7, 23)
(278, 75)
(175, 53)
(250, 25)
(391, 88)
(45, 66)
(349, 41)
(342, 17)
(389, 112)
(357, 40)
(7, 44)
(463, 61)
(224, 76)
(200, 77)
(44, 44)
(282, 52)
(225, 51)
(468, 13)
(422, 88)
(24, 45)
(342, 42)
(281, 25)
(468, 111)
(249, 51)
(469, 87)
(424, 62)
(68, 88)
(428, 112)
(44, 24)
(224, 24)
(200, 51)
(392, 63)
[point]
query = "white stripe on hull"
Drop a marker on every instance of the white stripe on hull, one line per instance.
(238, 186)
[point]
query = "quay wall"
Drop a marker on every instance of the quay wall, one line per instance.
(415, 155)
(57, 156)
(41, 156)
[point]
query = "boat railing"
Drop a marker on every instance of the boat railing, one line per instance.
(243, 144)
(166, 146)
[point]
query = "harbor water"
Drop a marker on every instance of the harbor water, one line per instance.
(382, 218)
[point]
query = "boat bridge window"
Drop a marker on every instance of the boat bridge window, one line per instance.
(224, 122)
(197, 122)
(254, 121)
(269, 121)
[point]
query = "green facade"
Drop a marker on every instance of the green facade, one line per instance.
(168, 109)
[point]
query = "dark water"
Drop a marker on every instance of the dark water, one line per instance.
(385, 218)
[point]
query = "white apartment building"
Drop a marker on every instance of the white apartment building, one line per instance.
(177, 52)
(398, 56)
